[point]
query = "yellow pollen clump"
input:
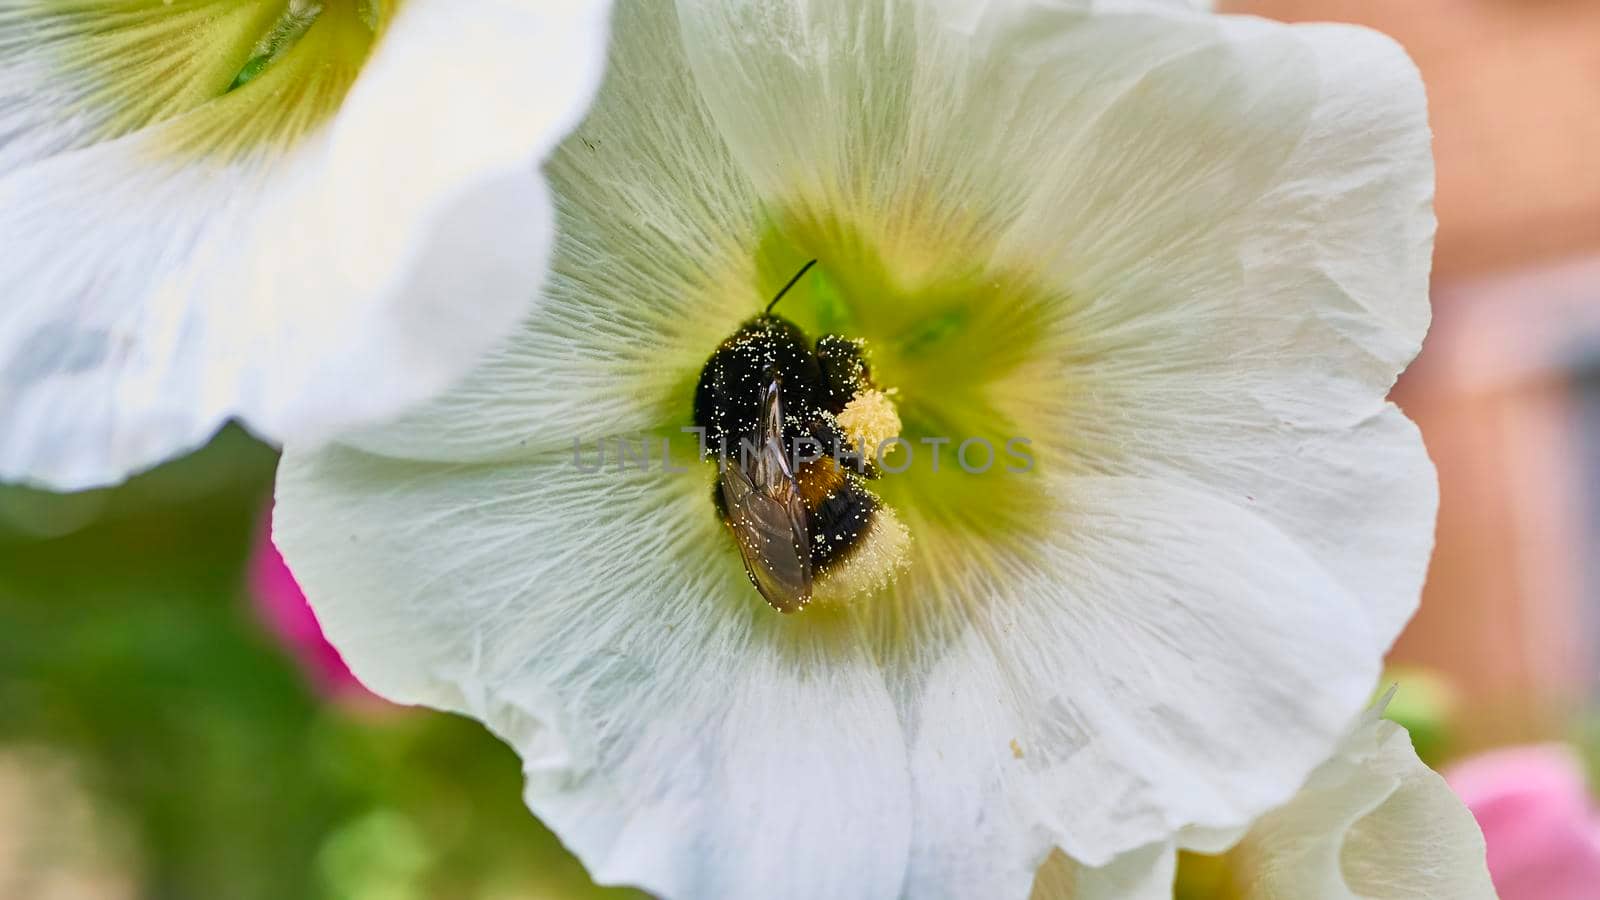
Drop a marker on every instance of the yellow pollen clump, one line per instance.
(870, 419)
(883, 552)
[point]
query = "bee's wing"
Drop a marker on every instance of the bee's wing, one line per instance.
(767, 516)
(769, 469)
(771, 533)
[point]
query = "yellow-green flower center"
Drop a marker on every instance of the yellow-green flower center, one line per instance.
(969, 354)
(222, 77)
(975, 358)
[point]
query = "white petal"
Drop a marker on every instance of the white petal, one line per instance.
(676, 737)
(1146, 667)
(1269, 343)
(1372, 822)
(153, 293)
(649, 702)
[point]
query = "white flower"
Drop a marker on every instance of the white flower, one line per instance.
(303, 213)
(1372, 822)
(1184, 255)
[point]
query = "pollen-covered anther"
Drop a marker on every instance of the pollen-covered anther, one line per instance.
(870, 419)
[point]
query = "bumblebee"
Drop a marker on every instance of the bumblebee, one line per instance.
(794, 425)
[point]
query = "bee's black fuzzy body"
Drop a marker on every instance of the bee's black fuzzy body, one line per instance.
(840, 521)
(815, 385)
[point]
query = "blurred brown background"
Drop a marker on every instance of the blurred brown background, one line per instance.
(1507, 389)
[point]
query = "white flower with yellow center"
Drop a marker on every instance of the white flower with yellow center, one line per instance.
(303, 213)
(1164, 265)
(1372, 822)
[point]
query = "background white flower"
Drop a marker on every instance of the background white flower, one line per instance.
(1372, 822)
(1186, 255)
(304, 214)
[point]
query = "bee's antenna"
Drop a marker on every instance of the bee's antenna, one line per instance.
(785, 289)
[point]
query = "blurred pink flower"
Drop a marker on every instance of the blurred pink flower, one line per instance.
(283, 607)
(1539, 822)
